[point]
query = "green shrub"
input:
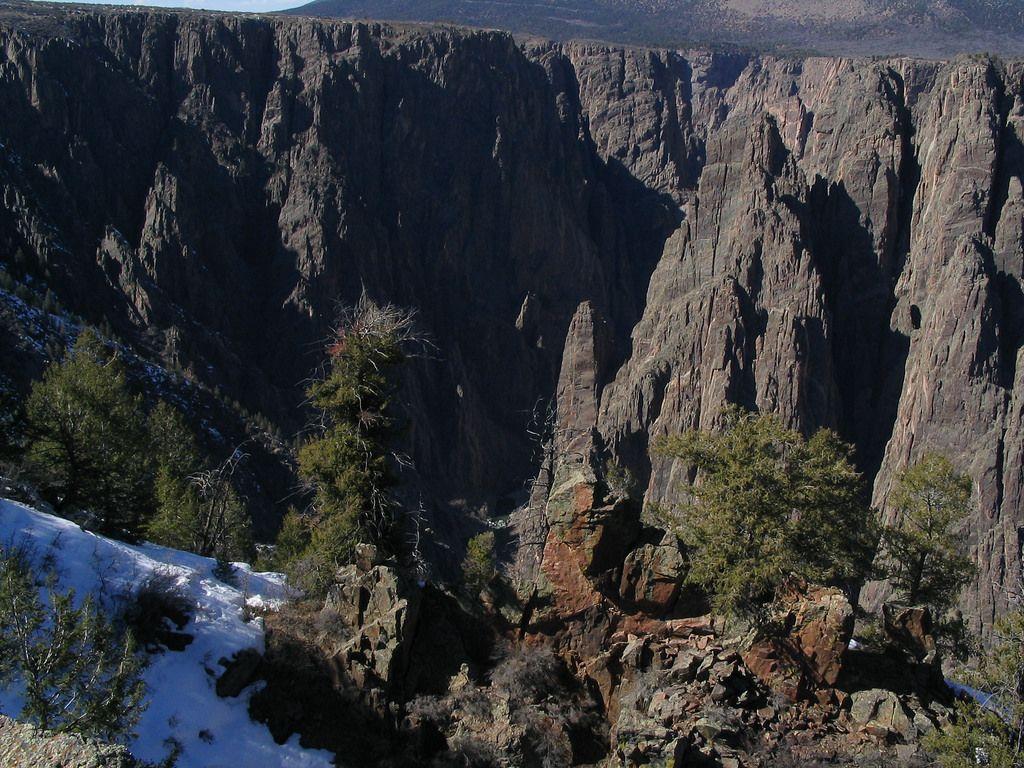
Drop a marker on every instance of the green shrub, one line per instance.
(77, 675)
(478, 568)
(87, 440)
(766, 505)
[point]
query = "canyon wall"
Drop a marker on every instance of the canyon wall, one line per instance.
(636, 237)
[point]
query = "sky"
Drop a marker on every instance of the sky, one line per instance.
(251, 6)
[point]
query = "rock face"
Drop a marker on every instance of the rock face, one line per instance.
(377, 614)
(911, 629)
(652, 575)
(391, 637)
(636, 237)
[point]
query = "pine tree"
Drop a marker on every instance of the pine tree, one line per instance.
(176, 521)
(768, 505)
(87, 439)
(478, 568)
(292, 541)
(921, 552)
(922, 556)
(177, 503)
(75, 673)
(197, 510)
(347, 463)
(172, 442)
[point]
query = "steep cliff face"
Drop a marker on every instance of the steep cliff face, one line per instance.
(850, 257)
(637, 236)
(223, 183)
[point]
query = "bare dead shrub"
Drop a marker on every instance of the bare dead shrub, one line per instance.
(528, 674)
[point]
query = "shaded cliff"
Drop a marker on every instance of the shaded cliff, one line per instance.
(639, 236)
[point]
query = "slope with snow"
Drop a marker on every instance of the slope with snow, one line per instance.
(182, 703)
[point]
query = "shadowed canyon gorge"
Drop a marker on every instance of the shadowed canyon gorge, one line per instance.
(634, 236)
(603, 246)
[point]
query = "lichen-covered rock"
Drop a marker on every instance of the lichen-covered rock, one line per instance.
(378, 609)
(23, 746)
(880, 713)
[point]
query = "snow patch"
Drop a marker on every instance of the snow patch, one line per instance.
(183, 704)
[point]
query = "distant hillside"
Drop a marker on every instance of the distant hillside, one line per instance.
(927, 28)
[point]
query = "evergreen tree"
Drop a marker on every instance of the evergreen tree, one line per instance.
(75, 673)
(478, 568)
(292, 541)
(202, 513)
(87, 439)
(177, 515)
(347, 463)
(197, 510)
(921, 552)
(768, 505)
(172, 442)
(176, 521)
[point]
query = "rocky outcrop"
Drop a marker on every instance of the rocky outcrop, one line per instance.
(372, 612)
(342, 675)
(652, 575)
(697, 701)
(803, 656)
(632, 237)
(910, 628)
(22, 746)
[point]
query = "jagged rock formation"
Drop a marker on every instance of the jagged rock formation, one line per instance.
(638, 236)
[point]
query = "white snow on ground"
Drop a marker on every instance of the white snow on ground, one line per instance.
(182, 701)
